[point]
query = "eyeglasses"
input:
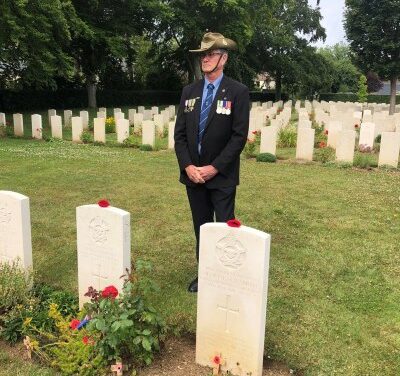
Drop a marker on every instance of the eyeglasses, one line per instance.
(209, 55)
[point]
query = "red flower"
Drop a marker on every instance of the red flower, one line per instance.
(233, 223)
(217, 360)
(254, 132)
(355, 125)
(87, 340)
(326, 131)
(322, 144)
(74, 324)
(250, 141)
(110, 292)
(103, 203)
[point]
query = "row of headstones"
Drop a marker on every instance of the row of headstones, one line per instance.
(55, 121)
(233, 275)
(149, 128)
(341, 140)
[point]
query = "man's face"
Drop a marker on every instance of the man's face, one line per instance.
(209, 60)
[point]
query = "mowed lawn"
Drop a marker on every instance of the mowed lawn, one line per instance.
(334, 284)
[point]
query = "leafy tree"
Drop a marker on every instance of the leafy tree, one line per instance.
(362, 89)
(374, 83)
(110, 25)
(185, 21)
(373, 29)
(34, 39)
(283, 30)
(345, 74)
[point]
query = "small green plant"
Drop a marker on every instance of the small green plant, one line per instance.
(287, 137)
(110, 125)
(362, 93)
(364, 160)
(131, 142)
(15, 286)
(126, 326)
(249, 150)
(266, 157)
(3, 131)
(86, 137)
(146, 147)
(324, 154)
(378, 138)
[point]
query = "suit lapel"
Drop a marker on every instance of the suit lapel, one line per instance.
(198, 92)
(221, 93)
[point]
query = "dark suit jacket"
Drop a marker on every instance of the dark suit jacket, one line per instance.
(224, 137)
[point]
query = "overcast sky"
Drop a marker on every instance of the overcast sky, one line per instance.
(332, 13)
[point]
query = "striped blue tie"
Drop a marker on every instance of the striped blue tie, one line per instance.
(205, 110)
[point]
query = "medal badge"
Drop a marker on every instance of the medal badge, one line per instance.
(228, 107)
(219, 107)
(223, 111)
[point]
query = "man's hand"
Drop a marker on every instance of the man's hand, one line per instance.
(194, 175)
(207, 172)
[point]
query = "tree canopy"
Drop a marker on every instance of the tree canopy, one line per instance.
(145, 44)
(373, 30)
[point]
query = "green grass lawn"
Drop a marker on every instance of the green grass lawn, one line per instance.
(334, 286)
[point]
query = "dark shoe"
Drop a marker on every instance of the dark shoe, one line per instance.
(193, 286)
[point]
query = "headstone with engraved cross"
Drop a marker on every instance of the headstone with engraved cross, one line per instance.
(15, 229)
(104, 241)
(232, 297)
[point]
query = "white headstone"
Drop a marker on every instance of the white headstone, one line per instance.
(67, 118)
(390, 148)
(99, 129)
(269, 136)
(345, 146)
(101, 114)
(159, 123)
(119, 116)
(334, 127)
(122, 126)
(15, 228)
(85, 119)
(367, 134)
(171, 140)
(137, 122)
(131, 114)
(140, 109)
(154, 110)
(2, 119)
(104, 243)
(304, 123)
(56, 127)
(148, 133)
(18, 121)
(147, 115)
(77, 128)
(51, 113)
(305, 144)
(232, 297)
(37, 126)
(103, 109)
(116, 111)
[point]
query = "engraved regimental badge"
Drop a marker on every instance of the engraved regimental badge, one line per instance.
(224, 107)
(189, 104)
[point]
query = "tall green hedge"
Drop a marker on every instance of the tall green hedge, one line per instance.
(349, 97)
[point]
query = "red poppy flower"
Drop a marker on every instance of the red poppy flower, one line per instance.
(326, 131)
(355, 125)
(217, 360)
(254, 132)
(322, 144)
(233, 223)
(103, 203)
(87, 340)
(74, 324)
(110, 292)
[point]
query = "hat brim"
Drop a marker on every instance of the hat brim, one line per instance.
(223, 44)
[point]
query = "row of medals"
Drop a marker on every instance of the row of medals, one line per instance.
(224, 107)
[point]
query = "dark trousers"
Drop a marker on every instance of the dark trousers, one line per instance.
(204, 203)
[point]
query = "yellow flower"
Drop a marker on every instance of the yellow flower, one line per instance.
(27, 321)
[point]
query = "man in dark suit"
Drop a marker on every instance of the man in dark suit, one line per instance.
(210, 133)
